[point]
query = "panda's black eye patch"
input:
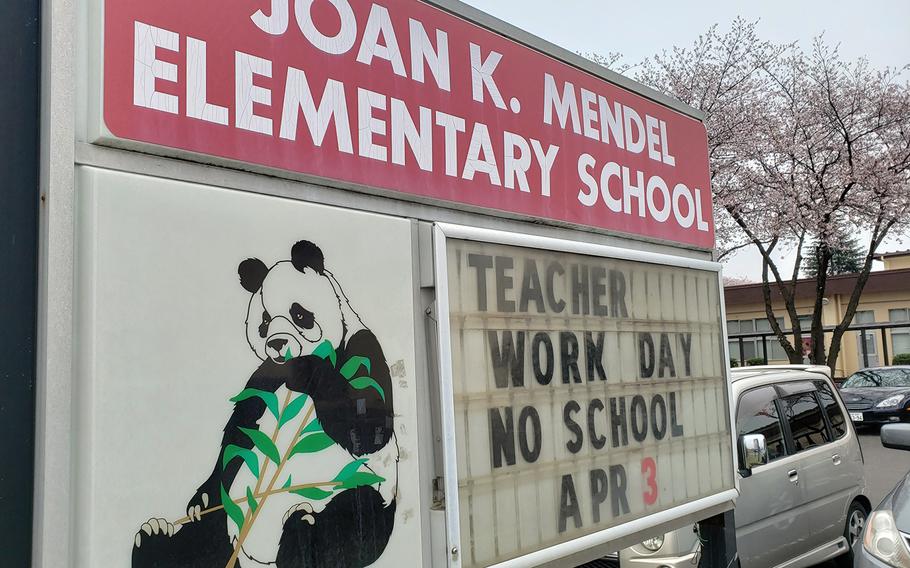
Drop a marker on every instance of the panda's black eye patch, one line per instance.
(264, 326)
(302, 317)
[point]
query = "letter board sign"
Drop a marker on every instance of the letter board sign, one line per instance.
(402, 97)
(587, 391)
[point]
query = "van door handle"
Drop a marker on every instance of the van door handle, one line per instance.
(836, 459)
(794, 476)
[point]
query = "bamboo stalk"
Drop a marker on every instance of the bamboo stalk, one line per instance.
(187, 519)
(265, 465)
(247, 518)
(245, 531)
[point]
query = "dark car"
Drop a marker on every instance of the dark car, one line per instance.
(878, 396)
(886, 537)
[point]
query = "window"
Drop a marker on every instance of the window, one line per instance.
(757, 414)
(864, 316)
(807, 426)
(752, 346)
(871, 357)
(775, 350)
(888, 378)
(742, 326)
(900, 337)
(748, 351)
(835, 417)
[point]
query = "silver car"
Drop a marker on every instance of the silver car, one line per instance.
(886, 542)
(672, 550)
(801, 478)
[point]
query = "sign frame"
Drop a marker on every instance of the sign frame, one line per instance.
(444, 231)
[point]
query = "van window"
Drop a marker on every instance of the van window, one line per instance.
(757, 414)
(835, 417)
(807, 426)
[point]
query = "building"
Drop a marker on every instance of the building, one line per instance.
(895, 260)
(885, 299)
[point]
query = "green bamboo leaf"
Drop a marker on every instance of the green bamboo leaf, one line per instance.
(251, 459)
(313, 493)
(349, 469)
(361, 478)
(292, 410)
(287, 483)
(353, 364)
(313, 426)
(325, 350)
(287, 355)
(361, 383)
(232, 509)
(312, 443)
(264, 443)
(251, 501)
(269, 398)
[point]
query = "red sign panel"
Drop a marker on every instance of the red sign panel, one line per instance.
(402, 96)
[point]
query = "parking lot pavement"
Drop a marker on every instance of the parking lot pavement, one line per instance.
(884, 468)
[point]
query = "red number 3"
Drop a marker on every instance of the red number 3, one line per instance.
(649, 470)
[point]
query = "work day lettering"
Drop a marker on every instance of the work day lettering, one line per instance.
(587, 380)
(590, 294)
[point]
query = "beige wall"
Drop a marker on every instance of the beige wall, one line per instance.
(850, 358)
(897, 262)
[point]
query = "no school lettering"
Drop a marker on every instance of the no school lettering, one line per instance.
(568, 358)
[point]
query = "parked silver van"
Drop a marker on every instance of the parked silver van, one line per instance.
(800, 476)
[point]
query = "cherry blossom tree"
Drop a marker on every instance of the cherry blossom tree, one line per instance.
(803, 147)
(613, 60)
(830, 154)
(736, 280)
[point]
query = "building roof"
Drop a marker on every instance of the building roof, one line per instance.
(893, 254)
(882, 281)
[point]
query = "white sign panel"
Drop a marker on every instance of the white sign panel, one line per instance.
(246, 389)
(586, 392)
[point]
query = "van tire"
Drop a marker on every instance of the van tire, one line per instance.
(857, 515)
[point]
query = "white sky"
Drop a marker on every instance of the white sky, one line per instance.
(876, 29)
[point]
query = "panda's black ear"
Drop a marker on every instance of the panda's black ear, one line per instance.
(252, 273)
(305, 254)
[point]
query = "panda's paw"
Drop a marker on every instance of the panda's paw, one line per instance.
(155, 530)
(198, 504)
(300, 512)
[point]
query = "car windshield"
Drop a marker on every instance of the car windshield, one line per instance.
(879, 378)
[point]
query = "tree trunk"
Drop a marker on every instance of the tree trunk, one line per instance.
(817, 355)
(793, 355)
(861, 279)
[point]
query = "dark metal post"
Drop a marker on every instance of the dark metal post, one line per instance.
(885, 360)
(718, 536)
(764, 347)
(742, 356)
(19, 131)
(862, 342)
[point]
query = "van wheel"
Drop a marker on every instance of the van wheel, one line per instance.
(856, 522)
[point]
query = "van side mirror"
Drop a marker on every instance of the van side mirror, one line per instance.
(896, 436)
(755, 450)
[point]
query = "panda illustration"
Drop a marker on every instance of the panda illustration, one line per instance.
(307, 471)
